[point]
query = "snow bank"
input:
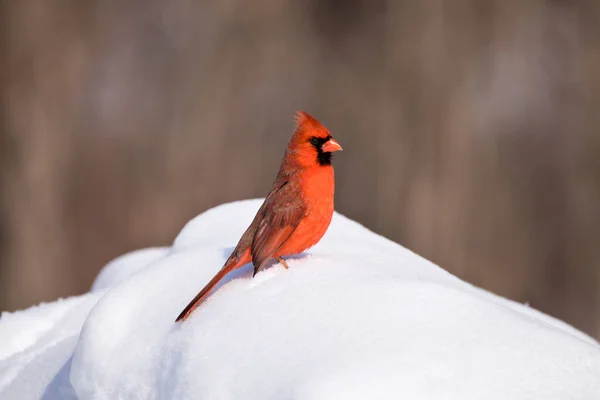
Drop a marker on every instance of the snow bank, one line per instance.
(356, 317)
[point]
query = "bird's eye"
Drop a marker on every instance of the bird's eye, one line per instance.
(314, 141)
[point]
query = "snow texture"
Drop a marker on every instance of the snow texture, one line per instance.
(355, 317)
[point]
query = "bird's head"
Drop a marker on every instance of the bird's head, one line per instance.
(312, 144)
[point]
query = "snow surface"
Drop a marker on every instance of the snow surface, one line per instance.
(356, 317)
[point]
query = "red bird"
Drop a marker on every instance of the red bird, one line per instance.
(297, 211)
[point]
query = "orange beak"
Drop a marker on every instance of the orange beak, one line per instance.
(331, 146)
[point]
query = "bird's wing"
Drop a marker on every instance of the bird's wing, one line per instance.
(278, 218)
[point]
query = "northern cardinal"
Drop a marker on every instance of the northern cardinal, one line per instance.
(297, 211)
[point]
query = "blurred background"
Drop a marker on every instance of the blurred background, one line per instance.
(471, 131)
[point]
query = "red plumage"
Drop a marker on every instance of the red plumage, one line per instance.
(297, 211)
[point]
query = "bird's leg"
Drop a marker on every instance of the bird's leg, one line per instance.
(282, 261)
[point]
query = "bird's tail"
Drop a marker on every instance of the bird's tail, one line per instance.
(227, 268)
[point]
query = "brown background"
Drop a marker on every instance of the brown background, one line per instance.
(470, 130)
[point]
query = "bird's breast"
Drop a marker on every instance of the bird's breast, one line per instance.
(317, 188)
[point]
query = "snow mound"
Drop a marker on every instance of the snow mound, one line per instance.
(356, 317)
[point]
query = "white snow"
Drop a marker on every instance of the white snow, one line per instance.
(356, 317)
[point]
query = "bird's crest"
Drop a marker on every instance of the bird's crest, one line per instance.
(306, 123)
